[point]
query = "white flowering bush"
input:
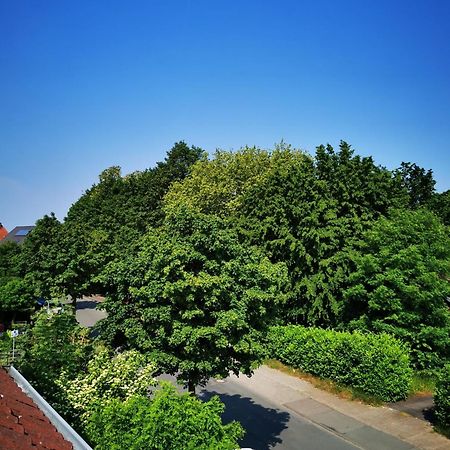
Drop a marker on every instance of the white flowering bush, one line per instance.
(119, 377)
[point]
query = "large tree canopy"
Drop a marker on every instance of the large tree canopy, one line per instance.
(303, 211)
(59, 259)
(401, 281)
(195, 298)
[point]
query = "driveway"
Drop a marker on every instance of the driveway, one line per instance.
(87, 314)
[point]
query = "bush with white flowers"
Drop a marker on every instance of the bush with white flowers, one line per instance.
(119, 377)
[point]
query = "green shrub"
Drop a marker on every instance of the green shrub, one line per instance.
(378, 365)
(442, 398)
(56, 344)
(169, 421)
(106, 377)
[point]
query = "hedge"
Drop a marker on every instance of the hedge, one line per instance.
(376, 364)
(442, 398)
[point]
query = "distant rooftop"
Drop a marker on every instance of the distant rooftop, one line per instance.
(3, 232)
(18, 234)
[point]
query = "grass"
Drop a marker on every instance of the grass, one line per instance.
(423, 384)
(337, 389)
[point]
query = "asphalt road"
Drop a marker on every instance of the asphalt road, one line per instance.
(269, 425)
(87, 314)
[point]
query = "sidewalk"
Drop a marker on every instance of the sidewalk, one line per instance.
(356, 422)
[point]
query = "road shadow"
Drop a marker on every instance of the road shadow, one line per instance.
(86, 304)
(263, 425)
(421, 407)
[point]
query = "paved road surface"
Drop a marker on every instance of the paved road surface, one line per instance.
(269, 425)
(87, 314)
(277, 417)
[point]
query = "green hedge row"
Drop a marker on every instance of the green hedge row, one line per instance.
(442, 398)
(376, 364)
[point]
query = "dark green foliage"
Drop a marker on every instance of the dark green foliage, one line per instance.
(418, 183)
(440, 205)
(302, 211)
(9, 260)
(108, 219)
(41, 256)
(194, 298)
(15, 295)
(169, 421)
(55, 344)
(308, 213)
(442, 398)
(378, 365)
(400, 284)
(132, 201)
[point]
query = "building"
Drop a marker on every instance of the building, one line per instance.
(18, 234)
(27, 421)
(3, 232)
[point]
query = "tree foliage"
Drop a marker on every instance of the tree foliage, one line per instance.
(15, 295)
(194, 298)
(440, 205)
(168, 421)
(400, 284)
(418, 183)
(41, 257)
(133, 201)
(9, 260)
(106, 378)
(305, 212)
(442, 398)
(114, 213)
(55, 343)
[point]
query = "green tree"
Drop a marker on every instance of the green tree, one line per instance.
(15, 295)
(54, 344)
(440, 205)
(305, 212)
(9, 260)
(308, 213)
(418, 183)
(169, 421)
(107, 220)
(40, 255)
(194, 298)
(216, 186)
(133, 201)
(401, 282)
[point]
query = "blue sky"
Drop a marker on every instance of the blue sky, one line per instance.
(85, 85)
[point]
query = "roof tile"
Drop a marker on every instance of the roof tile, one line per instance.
(22, 424)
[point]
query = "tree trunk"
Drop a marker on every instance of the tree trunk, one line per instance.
(191, 387)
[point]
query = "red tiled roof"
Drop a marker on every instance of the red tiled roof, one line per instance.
(3, 232)
(22, 424)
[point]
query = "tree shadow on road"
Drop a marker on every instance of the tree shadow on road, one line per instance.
(86, 304)
(263, 425)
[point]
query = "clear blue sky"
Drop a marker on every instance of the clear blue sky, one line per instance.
(89, 84)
